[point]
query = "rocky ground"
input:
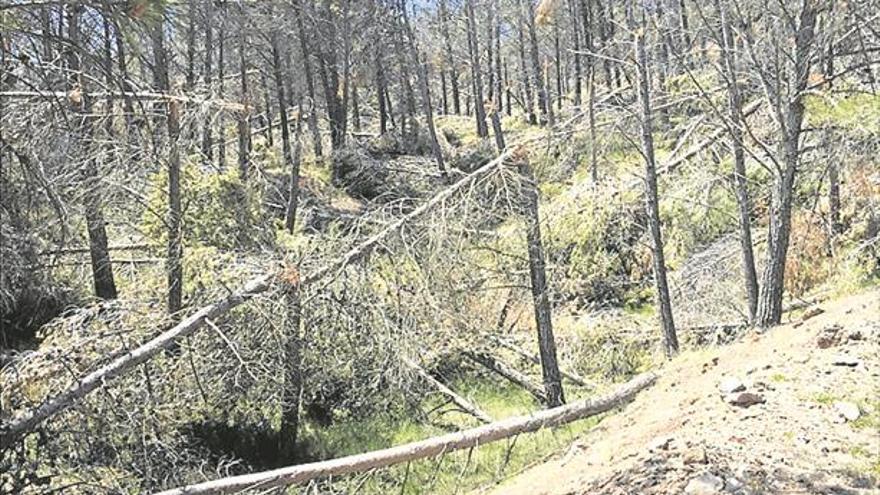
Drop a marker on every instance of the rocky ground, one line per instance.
(792, 410)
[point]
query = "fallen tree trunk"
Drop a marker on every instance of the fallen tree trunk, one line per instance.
(425, 448)
(53, 405)
(460, 401)
(509, 373)
(571, 376)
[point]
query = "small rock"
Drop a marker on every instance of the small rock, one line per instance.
(829, 337)
(733, 485)
(704, 484)
(855, 335)
(660, 443)
(730, 385)
(846, 360)
(695, 455)
(847, 410)
(744, 399)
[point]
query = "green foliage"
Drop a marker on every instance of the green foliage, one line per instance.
(219, 210)
(859, 112)
(694, 215)
(455, 472)
(609, 353)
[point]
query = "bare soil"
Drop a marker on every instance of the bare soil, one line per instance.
(683, 436)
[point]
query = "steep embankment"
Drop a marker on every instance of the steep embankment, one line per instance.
(815, 426)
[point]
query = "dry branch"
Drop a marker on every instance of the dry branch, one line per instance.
(571, 376)
(424, 448)
(460, 401)
(509, 373)
(27, 422)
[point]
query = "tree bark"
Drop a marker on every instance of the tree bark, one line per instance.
(651, 199)
(509, 374)
(221, 86)
(425, 448)
(735, 114)
(422, 68)
(450, 59)
(458, 400)
(543, 104)
(291, 396)
(207, 130)
(538, 277)
(528, 100)
(773, 279)
(244, 126)
(476, 71)
(576, 47)
(310, 82)
(102, 268)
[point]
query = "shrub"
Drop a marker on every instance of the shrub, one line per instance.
(206, 199)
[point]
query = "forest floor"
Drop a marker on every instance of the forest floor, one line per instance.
(814, 429)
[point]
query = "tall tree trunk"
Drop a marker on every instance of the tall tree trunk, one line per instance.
(207, 130)
(444, 101)
(337, 113)
(507, 91)
(267, 101)
(450, 59)
(543, 104)
(591, 112)
(381, 91)
(538, 277)
(422, 68)
(651, 196)
(773, 279)
(99, 254)
(287, 151)
(355, 108)
(173, 265)
(476, 71)
(528, 100)
(734, 106)
(127, 102)
(244, 127)
(499, 102)
(221, 86)
(558, 62)
(310, 82)
(576, 48)
(490, 49)
(291, 396)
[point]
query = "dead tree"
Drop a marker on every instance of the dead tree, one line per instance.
(785, 92)
(528, 100)
(310, 81)
(424, 448)
(538, 278)
(422, 69)
(102, 269)
(476, 71)
(540, 86)
(736, 125)
(651, 196)
(174, 266)
(458, 400)
(293, 372)
(207, 129)
(450, 57)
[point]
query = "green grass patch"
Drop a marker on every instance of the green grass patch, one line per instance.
(456, 472)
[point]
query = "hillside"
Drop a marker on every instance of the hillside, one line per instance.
(684, 436)
(429, 247)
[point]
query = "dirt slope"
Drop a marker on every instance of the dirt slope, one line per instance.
(682, 436)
